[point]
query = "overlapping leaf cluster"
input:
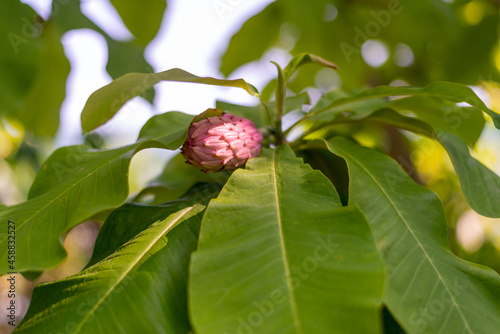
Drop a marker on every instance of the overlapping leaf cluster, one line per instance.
(275, 250)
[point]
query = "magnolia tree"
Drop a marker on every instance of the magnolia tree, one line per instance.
(264, 230)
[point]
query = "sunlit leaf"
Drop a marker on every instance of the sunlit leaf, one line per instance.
(427, 288)
(149, 273)
(480, 185)
(444, 90)
(75, 183)
(278, 254)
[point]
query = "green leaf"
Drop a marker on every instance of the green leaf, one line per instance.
(148, 273)
(133, 14)
(390, 117)
(124, 223)
(177, 178)
(427, 288)
(277, 253)
(481, 186)
(444, 90)
(304, 59)
(40, 110)
(355, 109)
(75, 183)
(465, 122)
(256, 35)
(34, 69)
(210, 112)
(104, 103)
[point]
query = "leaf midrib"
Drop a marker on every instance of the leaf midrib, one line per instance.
(133, 264)
(293, 303)
(456, 305)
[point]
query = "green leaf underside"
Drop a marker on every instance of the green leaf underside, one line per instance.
(133, 13)
(104, 103)
(147, 273)
(75, 183)
(355, 109)
(392, 118)
(278, 254)
(480, 185)
(446, 90)
(427, 289)
(465, 122)
(304, 59)
(124, 223)
(40, 110)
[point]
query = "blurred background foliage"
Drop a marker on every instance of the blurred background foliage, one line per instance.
(375, 42)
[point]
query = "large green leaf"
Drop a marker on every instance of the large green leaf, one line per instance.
(127, 221)
(427, 288)
(104, 103)
(278, 254)
(140, 288)
(465, 122)
(75, 183)
(480, 185)
(258, 32)
(443, 90)
(134, 13)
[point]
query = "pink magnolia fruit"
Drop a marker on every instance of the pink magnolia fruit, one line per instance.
(221, 143)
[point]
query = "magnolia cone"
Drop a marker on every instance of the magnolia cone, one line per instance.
(221, 143)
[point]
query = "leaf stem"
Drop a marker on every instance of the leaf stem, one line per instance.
(280, 100)
(271, 120)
